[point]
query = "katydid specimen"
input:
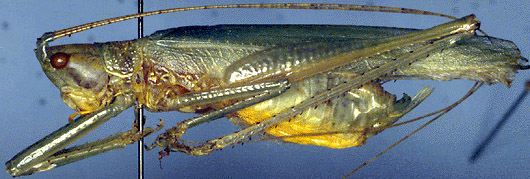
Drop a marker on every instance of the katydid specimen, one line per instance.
(276, 84)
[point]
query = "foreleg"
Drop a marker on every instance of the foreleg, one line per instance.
(34, 158)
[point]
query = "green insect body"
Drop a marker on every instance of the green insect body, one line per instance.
(306, 84)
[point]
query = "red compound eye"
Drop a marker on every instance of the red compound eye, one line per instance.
(59, 60)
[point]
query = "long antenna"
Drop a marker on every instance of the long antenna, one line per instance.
(139, 108)
(50, 36)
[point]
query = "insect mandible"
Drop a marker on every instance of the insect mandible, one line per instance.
(88, 84)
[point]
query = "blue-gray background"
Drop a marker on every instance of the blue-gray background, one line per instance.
(31, 107)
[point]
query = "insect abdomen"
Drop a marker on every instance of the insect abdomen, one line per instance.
(342, 122)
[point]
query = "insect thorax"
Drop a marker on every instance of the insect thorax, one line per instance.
(157, 86)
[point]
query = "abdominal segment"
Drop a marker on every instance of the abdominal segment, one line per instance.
(344, 121)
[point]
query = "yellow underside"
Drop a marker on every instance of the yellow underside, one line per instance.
(296, 131)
